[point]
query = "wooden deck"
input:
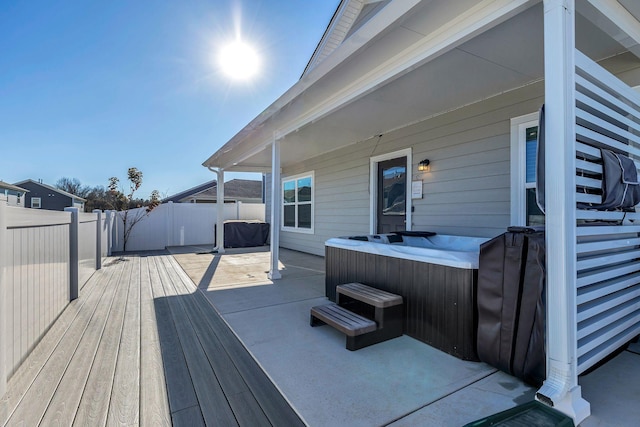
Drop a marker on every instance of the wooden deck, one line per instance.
(141, 346)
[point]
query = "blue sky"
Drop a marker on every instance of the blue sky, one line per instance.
(90, 88)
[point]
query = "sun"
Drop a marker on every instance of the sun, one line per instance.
(239, 61)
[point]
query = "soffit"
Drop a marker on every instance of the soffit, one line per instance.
(506, 57)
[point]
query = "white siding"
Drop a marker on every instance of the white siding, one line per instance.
(466, 191)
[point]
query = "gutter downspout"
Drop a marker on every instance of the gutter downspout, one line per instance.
(219, 243)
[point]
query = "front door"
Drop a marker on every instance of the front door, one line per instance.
(392, 195)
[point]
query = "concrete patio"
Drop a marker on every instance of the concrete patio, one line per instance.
(401, 382)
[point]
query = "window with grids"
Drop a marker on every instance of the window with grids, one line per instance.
(297, 203)
(36, 202)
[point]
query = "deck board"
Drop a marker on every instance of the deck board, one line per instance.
(65, 401)
(154, 406)
(124, 408)
(142, 346)
(213, 403)
(271, 401)
(94, 407)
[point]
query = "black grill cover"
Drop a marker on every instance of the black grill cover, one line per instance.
(239, 234)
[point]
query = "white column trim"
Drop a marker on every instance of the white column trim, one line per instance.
(3, 300)
(518, 167)
(561, 389)
(276, 210)
(219, 236)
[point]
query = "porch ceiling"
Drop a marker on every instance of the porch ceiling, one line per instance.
(507, 56)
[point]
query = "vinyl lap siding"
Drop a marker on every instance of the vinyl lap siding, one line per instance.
(466, 191)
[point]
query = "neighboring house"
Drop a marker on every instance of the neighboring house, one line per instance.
(11, 194)
(43, 196)
(442, 97)
(236, 190)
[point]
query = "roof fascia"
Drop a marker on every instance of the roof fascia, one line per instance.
(337, 19)
(369, 31)
(196, 189)
(615, 20)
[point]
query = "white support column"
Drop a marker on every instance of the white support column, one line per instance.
(220, 210)
(98, 213)
(561, 389)
(73, 253)
(219, 243)
(276, 202)
(3, 300)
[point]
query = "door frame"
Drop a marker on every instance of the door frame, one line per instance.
(373, 186)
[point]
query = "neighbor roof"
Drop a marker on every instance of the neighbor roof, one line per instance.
(233, 189)
(49, 187)
(8, 186)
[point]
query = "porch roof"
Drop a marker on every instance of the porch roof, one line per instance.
(410, 63)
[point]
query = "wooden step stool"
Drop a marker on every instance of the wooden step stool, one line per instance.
(364, 314)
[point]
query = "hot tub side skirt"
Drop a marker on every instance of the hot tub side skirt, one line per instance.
(440, 301)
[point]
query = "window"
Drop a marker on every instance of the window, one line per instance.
(524, 145)
(297, 203)
(35, 202)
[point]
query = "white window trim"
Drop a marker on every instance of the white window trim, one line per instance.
(373, 186)
(313, 202)
(519, 184)
(39, 199)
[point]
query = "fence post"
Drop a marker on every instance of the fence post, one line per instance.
(109, 222)
(169, 224)
(73, 253)
(3, 294)
(98, 213)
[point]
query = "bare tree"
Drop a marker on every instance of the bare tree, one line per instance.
(73, 186)
(123, 202)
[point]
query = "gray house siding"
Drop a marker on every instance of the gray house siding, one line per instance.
(49, 199)
(466, 191)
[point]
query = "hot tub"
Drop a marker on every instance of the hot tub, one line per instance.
(436, 275)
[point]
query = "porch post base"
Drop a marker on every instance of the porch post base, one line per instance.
(570, 403)
(274, 275)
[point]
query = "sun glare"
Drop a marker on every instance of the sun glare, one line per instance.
(239, 61)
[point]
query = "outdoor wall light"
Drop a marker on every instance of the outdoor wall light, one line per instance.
(424, 165)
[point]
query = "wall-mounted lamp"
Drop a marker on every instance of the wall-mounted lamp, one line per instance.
(424, 165)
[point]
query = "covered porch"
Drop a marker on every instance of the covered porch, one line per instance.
(423, 68)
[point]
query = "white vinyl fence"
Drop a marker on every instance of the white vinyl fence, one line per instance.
(180, 224)
(45, 258)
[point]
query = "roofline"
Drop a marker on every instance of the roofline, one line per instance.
(327, 30)
(8, 186)
(368, 32)
(173, 196)
(57, 190)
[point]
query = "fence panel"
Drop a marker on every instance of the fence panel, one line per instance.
(251, 211)
(179, 224)
(36, 279)
(87, 246)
